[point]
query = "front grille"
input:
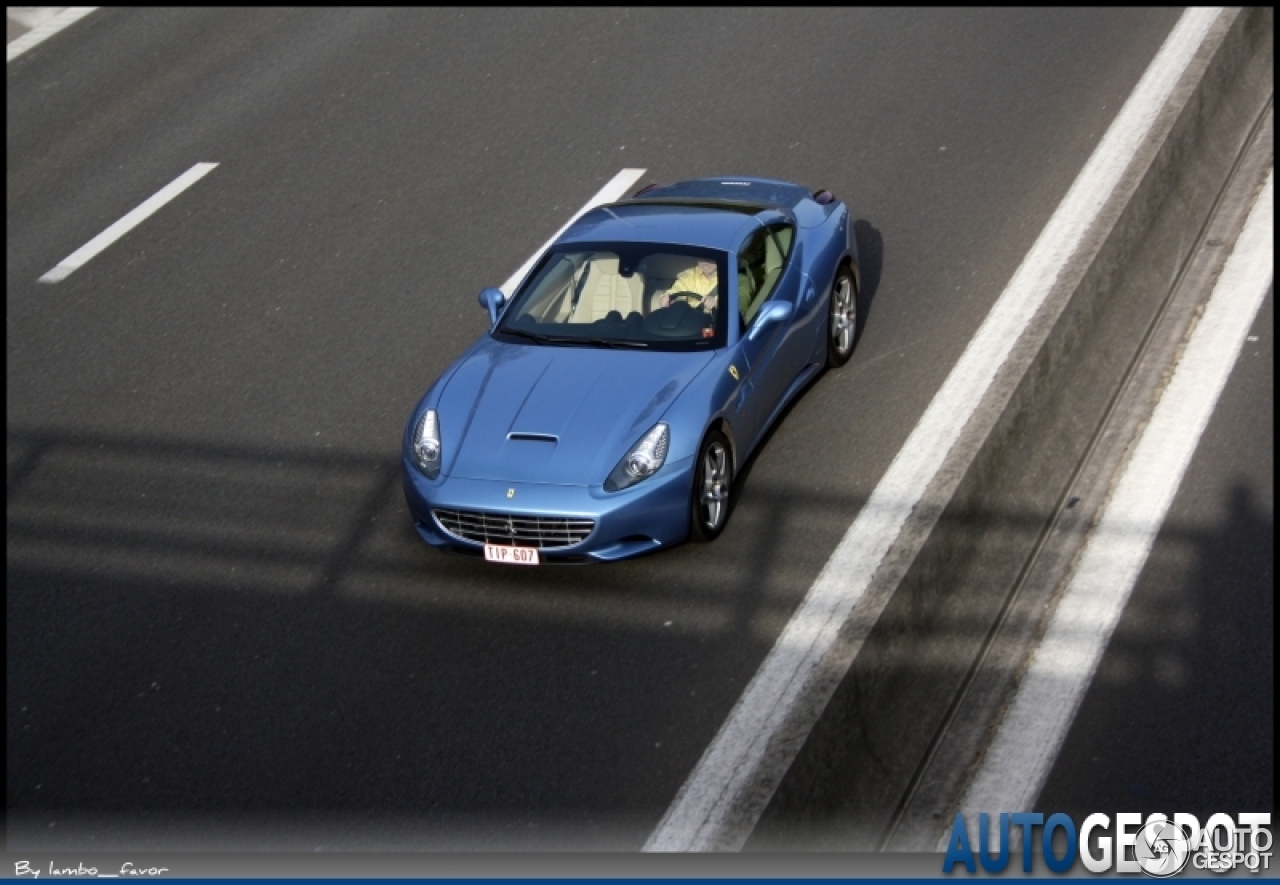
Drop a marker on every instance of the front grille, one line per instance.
(543, 532)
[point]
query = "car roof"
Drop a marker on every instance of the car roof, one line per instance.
(719, 225)
(758, 191)
(710, 212)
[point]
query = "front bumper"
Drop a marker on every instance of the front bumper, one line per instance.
(648, 516)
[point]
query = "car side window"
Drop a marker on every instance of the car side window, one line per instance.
(760, 265)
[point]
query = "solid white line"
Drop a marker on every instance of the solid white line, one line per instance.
(78, 258)
(614, 190)
(1028, 740)
(44, 31)
(723, 797)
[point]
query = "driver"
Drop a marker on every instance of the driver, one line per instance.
(696, 286)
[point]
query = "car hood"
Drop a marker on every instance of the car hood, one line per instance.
(561, 415)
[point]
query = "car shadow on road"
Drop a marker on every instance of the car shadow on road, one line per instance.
(870, 246)
(870, 264)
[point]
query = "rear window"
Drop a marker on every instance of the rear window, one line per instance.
(765, 193)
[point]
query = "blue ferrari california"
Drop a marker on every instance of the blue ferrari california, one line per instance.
(606, 412)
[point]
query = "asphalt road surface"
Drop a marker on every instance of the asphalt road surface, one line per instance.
(217, 610)
(1181, 713)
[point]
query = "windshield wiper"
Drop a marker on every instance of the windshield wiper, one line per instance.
(581, 341)
(574, 340)
(614, 342)
(532, 336)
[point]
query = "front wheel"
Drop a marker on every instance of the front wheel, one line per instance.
(843, 325)
(712, 488)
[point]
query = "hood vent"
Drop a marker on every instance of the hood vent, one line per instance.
(534, 437)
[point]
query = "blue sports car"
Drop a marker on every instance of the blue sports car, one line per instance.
(606, 412)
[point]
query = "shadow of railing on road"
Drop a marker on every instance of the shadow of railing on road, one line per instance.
(204, 628)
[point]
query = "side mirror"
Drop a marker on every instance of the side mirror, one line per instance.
(772, 312)
(493, 301)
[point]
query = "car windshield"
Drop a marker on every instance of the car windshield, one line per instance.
(624, 295)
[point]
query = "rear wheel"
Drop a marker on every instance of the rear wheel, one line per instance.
(843, 326)
(712, 488)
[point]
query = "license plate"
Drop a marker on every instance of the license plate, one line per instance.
(511, 555)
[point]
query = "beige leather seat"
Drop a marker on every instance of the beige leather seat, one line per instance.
(774, 258)
(605, 290)
(777, 244)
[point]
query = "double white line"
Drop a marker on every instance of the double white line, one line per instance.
(723, 798)
(1027, 743)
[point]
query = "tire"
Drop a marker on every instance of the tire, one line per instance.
(842, 318)
(712, 496)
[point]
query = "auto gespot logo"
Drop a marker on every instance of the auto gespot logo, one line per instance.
(1123, 843)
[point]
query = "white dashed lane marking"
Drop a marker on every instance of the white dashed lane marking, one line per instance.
(44, 21)
(81, 256)
(616, 189)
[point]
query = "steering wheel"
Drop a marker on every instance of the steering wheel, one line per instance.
(693, 299)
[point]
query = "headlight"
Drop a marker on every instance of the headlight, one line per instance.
(642, 461)
(426, 444)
